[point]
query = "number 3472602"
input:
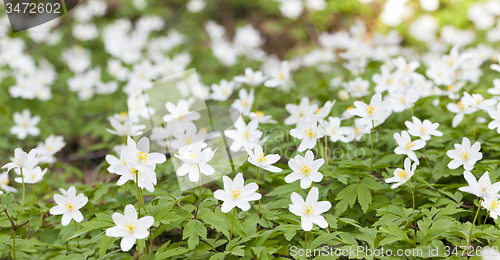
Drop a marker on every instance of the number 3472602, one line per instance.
(33, 8)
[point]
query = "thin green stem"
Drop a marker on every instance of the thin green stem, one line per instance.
(475, 126)
(22, 178)
(472, 227)
(142, 201)
(428, 164)
(199, 196)
(124, 194)
(305, 241)
(150, 240)
(14, 243)
(138, 194)
(412, 195)
(485, 218)
(76, 231)
(139, 250)
(372, 133)
(326, 149)
(258, 188)
(232, 224)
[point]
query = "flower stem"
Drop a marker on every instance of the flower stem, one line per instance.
(412, 195)
(373, 130)
(76, 230)
(150, 240)
(22, 178)
(485, 218)
(142, 201)
(258, 188)
(326, 149)
(199, 196)
(472, 227)
(305, 241)
(138, 250)
(138, 194)
(14, 243)
(475, 126)
(125, 194)
(428, 165)
(232, 224)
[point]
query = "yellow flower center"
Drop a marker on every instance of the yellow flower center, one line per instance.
(281, 76)
(69, 206)
(450, 87)
(317, 111)
(259, 114)
(389, 81)
(261, 158)
(245, 134)
(5, 181)
(410, 145)
(130, 227)
(370, 110)
(309, 210)
(423, 130)
(123, 114)
(133, 171)
(235, 193)
(188, 140)
(305, 170)
(402, 100)
(193, 157)
(402, 175)
(142, 157)
(461, 106)
(494, 204)
(309, 133)
(465, 155)
(244, 103)
(351, 107)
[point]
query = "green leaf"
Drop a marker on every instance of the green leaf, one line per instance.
(192, 231)
(364, 197)
(106, 243)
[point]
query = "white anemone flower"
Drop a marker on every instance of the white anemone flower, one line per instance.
(402, 176)
(309, 210)
(22, 159)
(407, 146)
(237, 194)
(493, 205)
(195, 161)
(465, 154)
(129, 227)
(308, 131)
(423, 129)
(305, 169)
(69, 206)
(25, 124)
(482, 187)
(370, 112)
(258, 158)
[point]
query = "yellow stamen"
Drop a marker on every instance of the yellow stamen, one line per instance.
(130, 227)
(410, 145)
(261, 158)
(465, 155)
(402, 175)
(370, 110)
(494, 204)
(309, 133)
(305, 170)
(235, 193)
(142, 157)
(309, 210)
(69, 206)
(259, 114)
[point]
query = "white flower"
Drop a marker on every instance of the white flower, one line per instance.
(22, 159)
(127, 171)
(309, 210)
(195, 161)
(402, 176)
(46, 150)
(279, 76)
(127, 129)
(4, 183)
(307, 131)
(244, 135)
(423, 129)
(322, 112)
(478, 102)
(369, 112)
(180, 116)
(493, 205)
(129, 227)
(495, 115)
(302, 111)
(244, 102)
(261, 117)
(25, 124)
(306, 169)
(251, 78)
(69, 206)
(261, 160)
(237, 194)
(31, 175)
(140, 157)
(460, 109)
(465, 154)
(222, 91)
(334, 130)
(481, 188)
(406, 146)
